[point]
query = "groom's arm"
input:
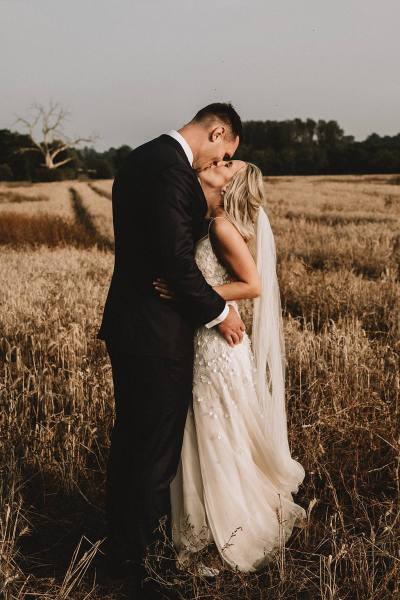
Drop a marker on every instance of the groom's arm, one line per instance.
(174, 230)
(221, 317)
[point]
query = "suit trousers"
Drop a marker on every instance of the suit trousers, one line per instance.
(152, 396)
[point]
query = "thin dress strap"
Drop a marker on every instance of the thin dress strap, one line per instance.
(208, 229)
(213, 219)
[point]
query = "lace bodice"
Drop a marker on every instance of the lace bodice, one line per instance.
(216, 274)
(213, 271)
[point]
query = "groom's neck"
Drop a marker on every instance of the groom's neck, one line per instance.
(191, 134)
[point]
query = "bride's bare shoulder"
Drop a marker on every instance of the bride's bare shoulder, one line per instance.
(223, 229)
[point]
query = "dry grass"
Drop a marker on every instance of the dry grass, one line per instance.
(341, 297)
(101, 189)
(43, 229)
(368, 250)
(99, 209)
(341, 194)
(57, 194)
(103, 186)
(91, 220)
(16, 197)
(69, 215)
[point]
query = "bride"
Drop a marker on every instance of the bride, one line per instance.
(236, 477)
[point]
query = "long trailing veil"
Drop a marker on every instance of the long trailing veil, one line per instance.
(269, 353)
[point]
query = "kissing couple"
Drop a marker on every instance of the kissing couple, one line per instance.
(200, 432)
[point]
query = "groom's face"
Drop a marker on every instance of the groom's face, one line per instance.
(218, 145)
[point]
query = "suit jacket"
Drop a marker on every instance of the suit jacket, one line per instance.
(158, 214)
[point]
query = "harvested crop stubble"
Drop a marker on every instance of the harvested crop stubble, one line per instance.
(339, 218)
(341, 300)
(319, 297)
(58, 203)
(332, 195)
(50, 230)
(369, 250)
(17, 197)
(103, 188)
(104, 184)
(98, 207)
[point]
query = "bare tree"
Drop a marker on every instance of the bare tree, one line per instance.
(48, 122)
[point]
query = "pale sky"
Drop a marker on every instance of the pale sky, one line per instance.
(129, 70)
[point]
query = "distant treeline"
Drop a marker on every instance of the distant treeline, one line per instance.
(291, 147)
(296, 147)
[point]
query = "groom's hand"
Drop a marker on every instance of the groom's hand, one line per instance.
(232, 328)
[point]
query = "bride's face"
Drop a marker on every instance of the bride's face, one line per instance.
(219, 175)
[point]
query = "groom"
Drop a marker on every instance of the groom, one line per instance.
(158, 213)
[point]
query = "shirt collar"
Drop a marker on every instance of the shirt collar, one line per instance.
(181, 140)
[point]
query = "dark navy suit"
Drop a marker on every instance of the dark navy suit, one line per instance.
(158, 213)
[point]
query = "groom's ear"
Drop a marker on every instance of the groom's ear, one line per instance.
(217, 134)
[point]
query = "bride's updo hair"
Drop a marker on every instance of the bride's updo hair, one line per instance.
(244, 195)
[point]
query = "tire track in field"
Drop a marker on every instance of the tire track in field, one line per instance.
(99, 191)
(85, 220)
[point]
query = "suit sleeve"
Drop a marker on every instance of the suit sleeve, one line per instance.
(174, 228)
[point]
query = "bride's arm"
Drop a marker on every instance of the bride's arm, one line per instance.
(234, 253)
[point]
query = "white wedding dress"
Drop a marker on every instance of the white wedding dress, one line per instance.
(227, 490)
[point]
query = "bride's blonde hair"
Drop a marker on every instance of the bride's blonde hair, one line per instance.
(243, 197)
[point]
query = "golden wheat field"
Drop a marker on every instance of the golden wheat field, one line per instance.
(338, 243)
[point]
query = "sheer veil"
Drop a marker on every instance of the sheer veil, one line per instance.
(269, 353)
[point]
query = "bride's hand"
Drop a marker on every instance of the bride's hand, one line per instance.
(162, 289)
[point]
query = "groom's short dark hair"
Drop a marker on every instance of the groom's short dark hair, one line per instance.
(223, 111)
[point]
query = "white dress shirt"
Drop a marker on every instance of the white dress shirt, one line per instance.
(188, 151)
